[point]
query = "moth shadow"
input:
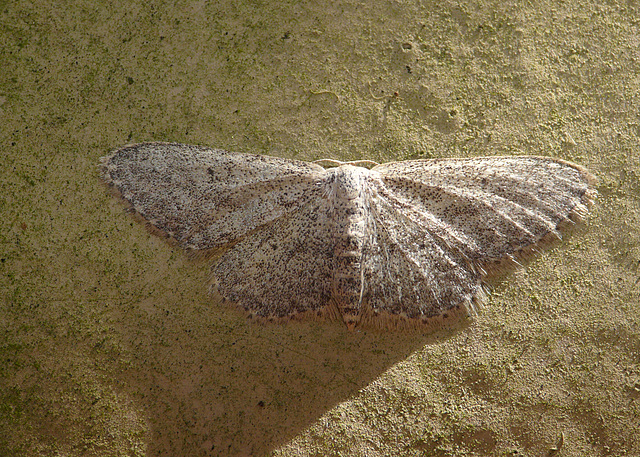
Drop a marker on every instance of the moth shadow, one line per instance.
(211, 382)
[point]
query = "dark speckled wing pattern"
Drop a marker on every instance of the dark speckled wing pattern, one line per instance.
(439, 226)
(205, 197)
(404, 244)
(284, 269)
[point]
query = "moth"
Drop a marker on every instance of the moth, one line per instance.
(403, 244)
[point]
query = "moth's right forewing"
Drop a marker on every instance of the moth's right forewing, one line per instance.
(498, 206)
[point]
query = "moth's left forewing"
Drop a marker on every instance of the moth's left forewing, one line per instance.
(203, 197)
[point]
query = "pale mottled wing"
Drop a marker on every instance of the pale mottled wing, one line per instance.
(492, 207)
(285, 268)
(440, 224)
(409, 268)
(206, 197)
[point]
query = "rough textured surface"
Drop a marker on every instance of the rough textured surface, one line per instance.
(403, 241)
(110, 344)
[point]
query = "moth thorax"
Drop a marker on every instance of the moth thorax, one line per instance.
(349, 223)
